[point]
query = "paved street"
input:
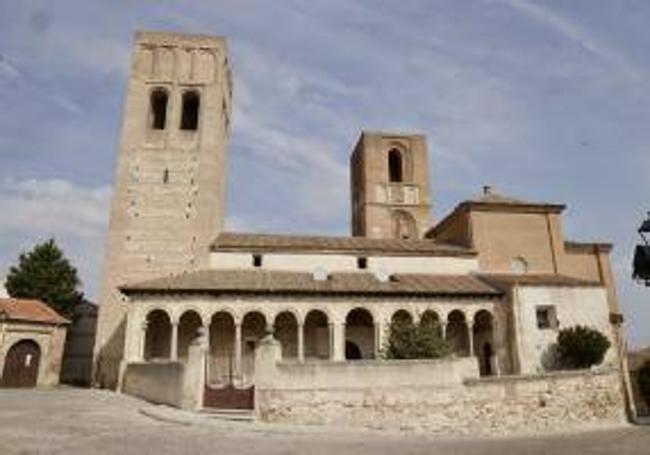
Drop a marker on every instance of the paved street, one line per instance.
(70, 421)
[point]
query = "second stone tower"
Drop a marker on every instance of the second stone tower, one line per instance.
(390, 186)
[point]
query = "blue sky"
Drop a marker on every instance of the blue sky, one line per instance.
(547, 101)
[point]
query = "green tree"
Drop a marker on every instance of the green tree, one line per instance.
(581, 347)
(408, 340)
(643, 380)
(44, 273)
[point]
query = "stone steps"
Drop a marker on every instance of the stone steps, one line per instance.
(233, 415)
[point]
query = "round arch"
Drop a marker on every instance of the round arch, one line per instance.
(221, 360)
(402, 316)
(360, 331)
(430, 319)
(317, 334)
(253, 329)
(457, 335)
(22, 364)
(158, 102)
(188, 329)
(294, 312)
(483, 338)
(176, 317)
(158, 336)
(285, 330)
(395, 166)
(406, 160)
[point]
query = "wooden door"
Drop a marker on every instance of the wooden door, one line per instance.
(21, 365)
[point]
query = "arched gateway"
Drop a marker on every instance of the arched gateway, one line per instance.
(21, 365)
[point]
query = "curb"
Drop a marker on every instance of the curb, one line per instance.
(165, 414)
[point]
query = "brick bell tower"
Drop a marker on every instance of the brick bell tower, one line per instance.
(170, 176)
(390, 186)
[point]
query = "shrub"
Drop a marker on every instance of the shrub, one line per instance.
(643, 380)
(407, 340)
(581, 347)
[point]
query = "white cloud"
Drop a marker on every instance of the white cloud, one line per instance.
(76, 216)
(576, 33)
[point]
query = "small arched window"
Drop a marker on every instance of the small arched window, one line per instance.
(395, 173)
(190, 113)
(158, 109)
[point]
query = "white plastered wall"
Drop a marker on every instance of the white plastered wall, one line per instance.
(301, 262)
(573, 306)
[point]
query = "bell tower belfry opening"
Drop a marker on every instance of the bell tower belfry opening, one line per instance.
(390, 186)
(170, 175)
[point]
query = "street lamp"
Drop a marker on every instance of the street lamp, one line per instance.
(641, 269)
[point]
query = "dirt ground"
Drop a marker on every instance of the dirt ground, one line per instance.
(65, 421)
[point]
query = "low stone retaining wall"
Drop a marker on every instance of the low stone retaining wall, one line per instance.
(157, 382)
(445, 397)
(176, 383)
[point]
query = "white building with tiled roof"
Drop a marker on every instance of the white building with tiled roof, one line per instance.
(32, 336)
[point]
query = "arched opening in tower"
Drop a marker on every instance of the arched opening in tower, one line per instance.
(395, 173)
(158, 109)
(190, 113)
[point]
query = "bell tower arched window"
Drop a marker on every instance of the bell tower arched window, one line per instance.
(158, 109)
(395, 166)
(190, 113)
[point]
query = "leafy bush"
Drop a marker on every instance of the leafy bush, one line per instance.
(581, 347)
(407, 340)
(643, 379)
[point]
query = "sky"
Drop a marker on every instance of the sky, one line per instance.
(545, 101)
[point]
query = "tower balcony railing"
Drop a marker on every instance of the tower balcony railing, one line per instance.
(398, 193)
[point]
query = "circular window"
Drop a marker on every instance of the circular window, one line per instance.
(518, 265)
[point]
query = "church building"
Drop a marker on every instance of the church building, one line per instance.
(497, 273)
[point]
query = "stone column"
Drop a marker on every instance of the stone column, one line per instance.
(173, 355)
(143, 341)
(443, 331)
(379, 338)
(470, 331)
(301, 342)
(496, 347)
(338, 332)
(238, 365)
(204, 333)
(330, 340)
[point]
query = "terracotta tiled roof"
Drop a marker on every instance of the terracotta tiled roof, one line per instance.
(541, 279)
(264, 281)
(29, 310)
(233, 241)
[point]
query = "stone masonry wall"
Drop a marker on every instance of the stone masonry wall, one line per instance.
(160, 383)
(418, 400)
